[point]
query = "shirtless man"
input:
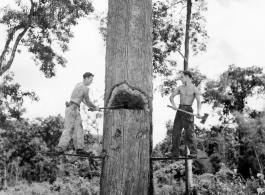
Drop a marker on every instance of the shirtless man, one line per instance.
(73, 123)
(188, 92)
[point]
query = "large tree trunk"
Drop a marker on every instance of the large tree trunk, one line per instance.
(127, 133)
(188, 163)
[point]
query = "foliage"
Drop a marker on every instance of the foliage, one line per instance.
(11, 99)
(42, 27)
(167, 176)
(252, 143)
(231, 90)
(76, 185)
(223, 182)
(64, 186)
(170, 83)
(227, 182)
(21, 142)
(216, 160)
(221, 146)
(168, 32)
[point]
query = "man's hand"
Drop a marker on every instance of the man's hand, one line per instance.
(94, 109)
(199, 115)
(174, 107)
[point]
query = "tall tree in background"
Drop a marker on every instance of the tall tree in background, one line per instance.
(127, 133)
(176, 40)
(169, 29)
(232, 89)
(253, 141)
(230, 93)
(41, 26)
(188, 163)
(12, 98)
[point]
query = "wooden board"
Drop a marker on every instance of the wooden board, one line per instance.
(67, 154)
(176, 158)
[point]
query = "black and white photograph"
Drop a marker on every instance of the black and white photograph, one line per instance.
(132, 97)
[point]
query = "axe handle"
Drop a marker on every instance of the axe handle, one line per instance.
(108, 107)
(118, 106)
(182, 110)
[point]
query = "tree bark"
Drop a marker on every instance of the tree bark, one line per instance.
(3, 69)
(127, 133)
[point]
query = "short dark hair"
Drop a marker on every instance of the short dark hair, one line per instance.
(187, 73)
(87, 74)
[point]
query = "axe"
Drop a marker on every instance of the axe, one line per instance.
(203, 118)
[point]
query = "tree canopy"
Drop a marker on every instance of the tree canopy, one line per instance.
(12, 98)
(231, 90)
(44, 27)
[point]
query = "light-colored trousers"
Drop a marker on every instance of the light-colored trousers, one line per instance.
(73, 128)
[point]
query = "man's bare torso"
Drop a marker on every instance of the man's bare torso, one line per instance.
(187, 94)
(78, 93)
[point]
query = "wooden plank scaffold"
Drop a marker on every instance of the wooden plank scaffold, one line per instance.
(68, 154)
(175, 158)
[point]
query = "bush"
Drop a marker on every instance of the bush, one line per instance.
(216, 160)
(76, 185)
(64, 186)
(23, 188)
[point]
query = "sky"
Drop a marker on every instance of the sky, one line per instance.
(236, 29)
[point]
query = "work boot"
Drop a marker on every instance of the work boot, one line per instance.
(83, 152)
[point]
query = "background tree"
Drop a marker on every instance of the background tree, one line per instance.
(41, 26)
(170, 28)
(253, 159)
(221, 146)
(21, 142)
(232, 89)
(11, 99)
(230, 93)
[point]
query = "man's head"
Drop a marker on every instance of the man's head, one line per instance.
(185, 76)
(88, 78)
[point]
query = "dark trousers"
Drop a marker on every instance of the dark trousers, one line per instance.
(186, 121)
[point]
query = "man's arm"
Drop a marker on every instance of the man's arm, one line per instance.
(87, 101)
(171, 98)
(198, 98)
